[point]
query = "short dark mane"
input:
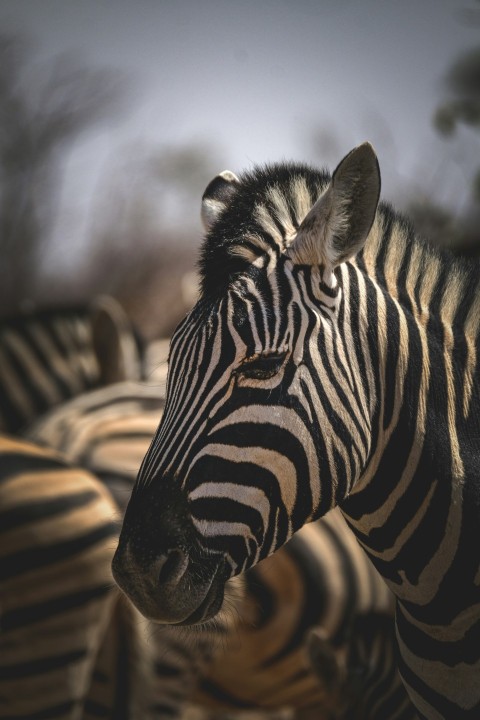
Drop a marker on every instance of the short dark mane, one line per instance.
(238, 221)
(216, 265)
(395, 249)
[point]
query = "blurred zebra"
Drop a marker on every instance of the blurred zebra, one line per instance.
(319, 582)
(332, 359)
(52, 355)
(71, 647)
(359, 676)
(254, 656)
(106, 430)
(58, 527)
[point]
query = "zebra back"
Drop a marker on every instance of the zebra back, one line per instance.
(254, 656)
(106, 430)
(71, 646)
(58, 527)
(50, 356)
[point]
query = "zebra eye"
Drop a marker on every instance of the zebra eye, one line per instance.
(261, 367)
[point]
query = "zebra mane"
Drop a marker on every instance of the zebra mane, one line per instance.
(268, 205)
(262, 215)
(417, 271)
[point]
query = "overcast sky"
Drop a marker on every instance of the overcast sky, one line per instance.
(256, 77)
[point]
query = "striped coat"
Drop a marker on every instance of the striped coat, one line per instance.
(58, 526)
(255, 655)
(331, 360)
(50, 356)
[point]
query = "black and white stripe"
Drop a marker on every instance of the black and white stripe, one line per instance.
(332, 359)
(49, 356)
(365, 677)
(70, 645)
(319, 584)
(254, 656)
(58, 526)
(107, 431)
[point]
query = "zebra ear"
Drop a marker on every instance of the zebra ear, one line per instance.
(114, 341)
(337, 226)
(216, 196)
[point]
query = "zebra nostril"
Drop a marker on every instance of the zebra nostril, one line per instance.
(171, 567)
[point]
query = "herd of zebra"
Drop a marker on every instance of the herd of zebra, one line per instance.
(70, 646)
(330, 360)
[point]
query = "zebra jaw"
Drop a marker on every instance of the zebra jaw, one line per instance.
(162, 566)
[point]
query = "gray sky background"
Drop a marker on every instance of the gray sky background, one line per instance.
(257, 77)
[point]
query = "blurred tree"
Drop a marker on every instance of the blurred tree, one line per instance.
(186, 168)
(42, 109)
(147, 232)
(462, 105)
(460, 233)
(180, 175)
(463, 83)
(433, 222)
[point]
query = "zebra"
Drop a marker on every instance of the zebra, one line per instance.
(254, 656)
(49, 356)
(331, 360)
(364, 667)
(320, 584)
(58, 527)
(71, 648)
(106, 430)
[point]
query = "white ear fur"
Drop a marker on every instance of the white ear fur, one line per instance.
(337, 226)
(216, 196)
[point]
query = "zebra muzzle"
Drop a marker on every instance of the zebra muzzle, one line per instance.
(175, 588)
(161, 563)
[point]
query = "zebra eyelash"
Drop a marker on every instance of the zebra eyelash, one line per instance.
(261, 367)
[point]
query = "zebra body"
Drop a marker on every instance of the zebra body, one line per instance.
(71, 647)
(50, 356)
(107, 430)
(319, 582)
(363, 669)
(332, 359)
(254, 656)
(58, 526)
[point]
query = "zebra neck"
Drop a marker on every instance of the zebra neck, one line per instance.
(418, 318)
(415, 510)
(421, 352)
(383, 347)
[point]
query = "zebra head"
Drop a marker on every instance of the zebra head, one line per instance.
(259, 388)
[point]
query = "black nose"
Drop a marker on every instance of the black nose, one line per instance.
(154, 587)
(171, 567)
(160, 562)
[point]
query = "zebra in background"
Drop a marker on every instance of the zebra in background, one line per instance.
(320, 582)
(58, 526)
(49, 356)
(332, 359)
(107, 431)
(365, 665)
(71, 647)
(254, 656)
